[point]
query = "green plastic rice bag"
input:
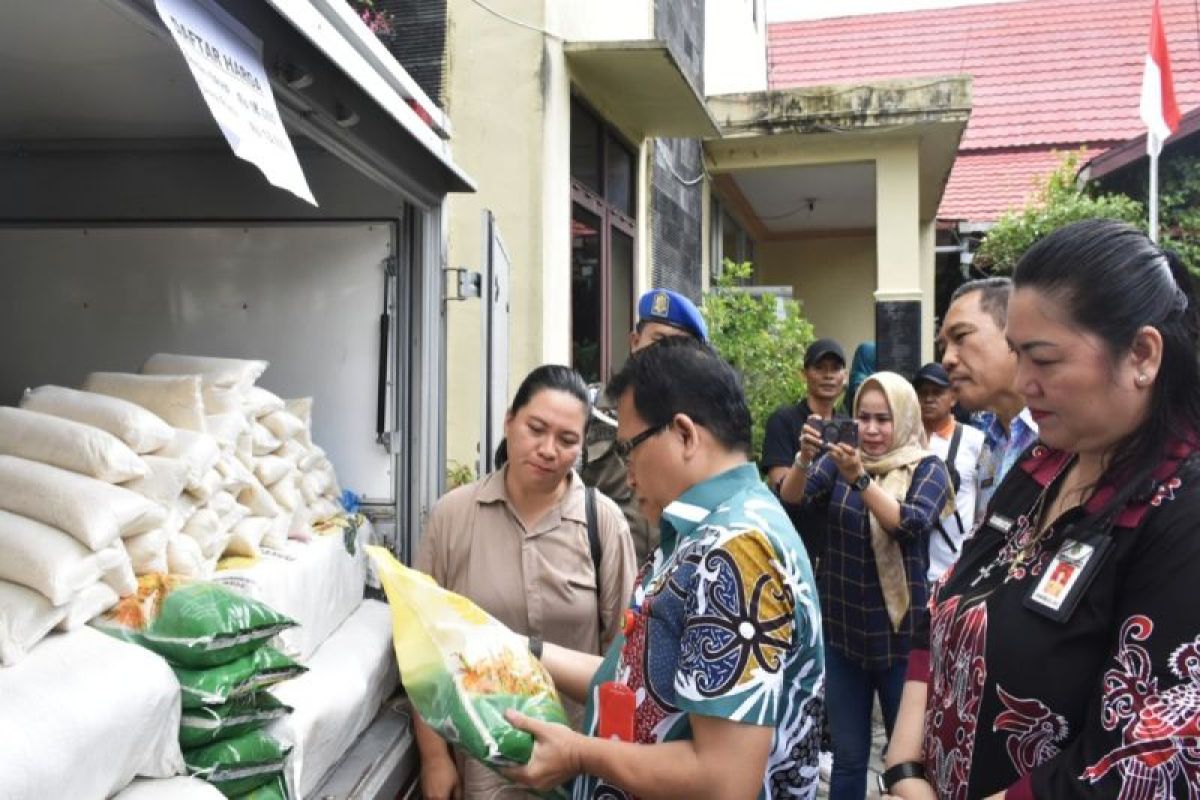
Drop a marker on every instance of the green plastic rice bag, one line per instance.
(262, 668)
(239, 765)
(463, 669)
(207, 724)
(273, 790)
(192, 624)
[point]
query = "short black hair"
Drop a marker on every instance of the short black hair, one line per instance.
(994, 294)
(680, 375)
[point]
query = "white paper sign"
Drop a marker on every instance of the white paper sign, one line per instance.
(226, 61)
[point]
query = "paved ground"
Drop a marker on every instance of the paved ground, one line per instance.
(877, 742)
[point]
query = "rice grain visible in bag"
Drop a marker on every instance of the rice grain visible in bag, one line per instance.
(462, 669)
(94, 512)
(135, 426)
(175, 398)
(67, 444)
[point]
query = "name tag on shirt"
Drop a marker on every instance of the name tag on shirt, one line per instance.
(1000, 523)
(1067, 577)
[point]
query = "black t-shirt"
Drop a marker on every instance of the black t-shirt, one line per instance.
(781, 442)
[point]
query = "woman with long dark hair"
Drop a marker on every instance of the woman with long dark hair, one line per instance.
(1062, 657)
(516, 542)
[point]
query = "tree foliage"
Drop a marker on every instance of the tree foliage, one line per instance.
(763, 338)
(1058, 201)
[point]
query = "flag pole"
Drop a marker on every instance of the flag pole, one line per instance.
(1154, 195)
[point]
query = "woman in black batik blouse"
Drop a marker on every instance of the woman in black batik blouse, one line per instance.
(1062, 655)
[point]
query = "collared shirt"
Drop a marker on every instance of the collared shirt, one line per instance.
(538, 580)
(1001, 449)
(725, 624)
(856, 619)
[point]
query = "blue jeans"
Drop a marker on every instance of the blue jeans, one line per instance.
(850, 691)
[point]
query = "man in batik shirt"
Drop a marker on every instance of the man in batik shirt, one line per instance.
(718, 674)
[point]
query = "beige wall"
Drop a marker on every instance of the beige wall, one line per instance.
(832, 277)
(495, 95)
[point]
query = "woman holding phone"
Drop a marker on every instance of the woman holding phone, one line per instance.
(884, 495)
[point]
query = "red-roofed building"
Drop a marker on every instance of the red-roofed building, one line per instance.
(1048, 75)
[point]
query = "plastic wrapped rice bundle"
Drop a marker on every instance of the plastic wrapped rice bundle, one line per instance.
(463, 669)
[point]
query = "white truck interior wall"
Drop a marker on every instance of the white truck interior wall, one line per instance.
(203, 185)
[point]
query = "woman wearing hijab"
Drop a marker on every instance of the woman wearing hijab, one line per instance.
(883, 497)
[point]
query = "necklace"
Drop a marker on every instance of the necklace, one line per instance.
(1023, 545)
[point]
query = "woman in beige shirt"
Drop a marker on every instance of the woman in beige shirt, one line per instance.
(516, 543)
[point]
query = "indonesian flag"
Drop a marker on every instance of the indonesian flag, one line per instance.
(1158, 108)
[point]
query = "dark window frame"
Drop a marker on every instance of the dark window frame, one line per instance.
(612, 219)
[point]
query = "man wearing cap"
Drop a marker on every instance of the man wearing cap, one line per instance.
(825, 374)
(958, 446)
(661, 313)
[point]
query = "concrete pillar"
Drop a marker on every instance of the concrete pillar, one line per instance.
(900, 336)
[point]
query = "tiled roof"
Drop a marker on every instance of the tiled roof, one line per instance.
(1045, 72)
(986, 183)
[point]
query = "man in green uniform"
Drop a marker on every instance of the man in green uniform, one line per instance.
(661, 313)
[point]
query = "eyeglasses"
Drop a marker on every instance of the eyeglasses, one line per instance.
(624, 448)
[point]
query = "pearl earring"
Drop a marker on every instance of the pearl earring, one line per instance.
(1141, 379)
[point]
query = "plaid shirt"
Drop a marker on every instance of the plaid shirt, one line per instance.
(856, 619)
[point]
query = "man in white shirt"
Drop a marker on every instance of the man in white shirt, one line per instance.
(959, 446)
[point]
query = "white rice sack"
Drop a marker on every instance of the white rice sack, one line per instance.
(301, 408)
(271, 469)
(324, 509)
(184, 557)
(87, 605)
(169, 789)
(310, 488)
(264, 441)
(198, 450)
(258, 402)
(206, 487)
(292, 452)
(285, 492)
(141, 430)
(309, 461)
(148, 551)
(238, 373)
(280, 530)
(25, 619)
(300, 526)
(120, 576)
(67, 444)
(220, 401)
(283, 425)
(206, 530)
(226, 428)
(259, 500)
(164, 481)
(47, 560)
(175, 398)
(245, 449)
(247, 536)
(236, 477)
(94, 512)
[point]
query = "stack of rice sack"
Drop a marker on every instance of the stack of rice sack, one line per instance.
(66, 519)
(215, 641)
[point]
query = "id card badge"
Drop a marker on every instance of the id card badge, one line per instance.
(1067, 577)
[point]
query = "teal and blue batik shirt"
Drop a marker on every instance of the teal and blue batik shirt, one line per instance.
(725, 623)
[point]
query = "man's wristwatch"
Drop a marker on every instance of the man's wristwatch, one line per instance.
(799, 461)
(861, 483)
